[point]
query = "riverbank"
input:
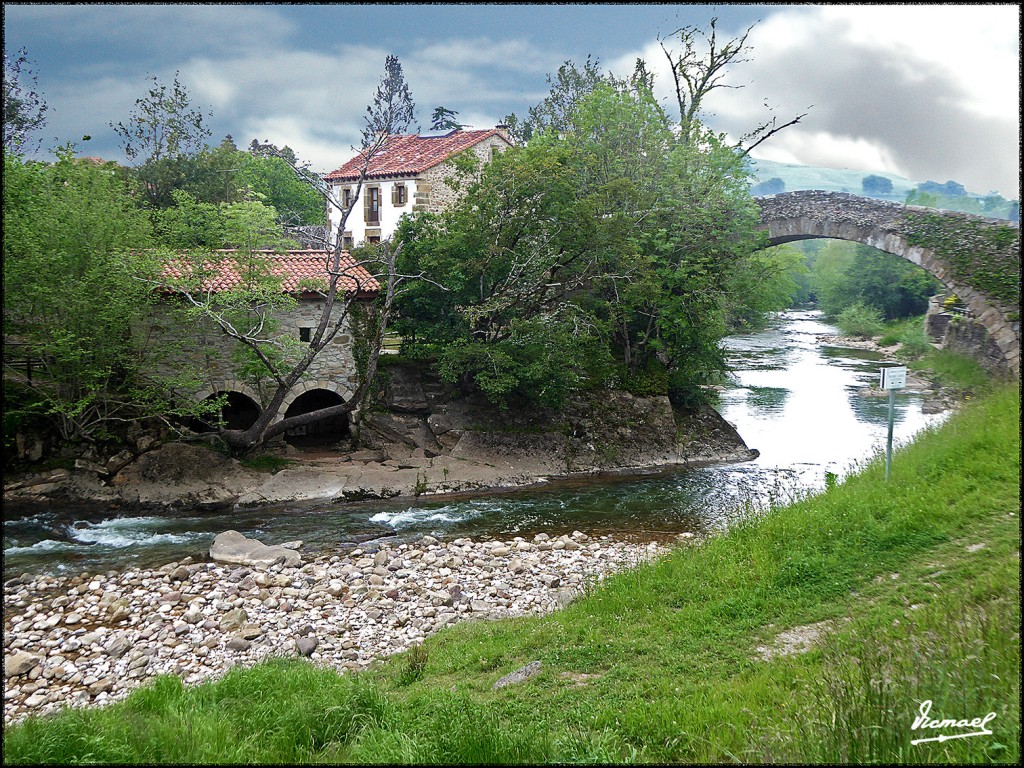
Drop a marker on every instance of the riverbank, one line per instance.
(93, 638)
(479, 451)
(907, 589)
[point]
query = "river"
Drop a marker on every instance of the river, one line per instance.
(792, 397)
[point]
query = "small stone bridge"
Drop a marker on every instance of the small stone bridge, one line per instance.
(975, 257)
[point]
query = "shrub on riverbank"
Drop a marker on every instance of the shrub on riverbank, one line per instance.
(904, 591)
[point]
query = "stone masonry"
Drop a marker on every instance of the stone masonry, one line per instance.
(805, 215)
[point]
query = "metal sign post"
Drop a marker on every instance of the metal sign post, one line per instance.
(891, 379)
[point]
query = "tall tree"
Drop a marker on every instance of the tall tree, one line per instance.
(24, 108)
(876, 185)
(699, 67)
(77, 301)
(443, 119)
(597, 252)
(567, 87)
(162, 136)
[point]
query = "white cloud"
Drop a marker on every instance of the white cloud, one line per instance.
(930, 92)
(828, 151)
(461, 54)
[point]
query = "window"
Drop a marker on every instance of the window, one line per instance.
(305, 335)
(373, 239)
(346, 198)
(347, 240)
(372, 207)
(398, 195)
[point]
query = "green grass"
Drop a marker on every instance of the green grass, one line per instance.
(910, 334)
(952, 370)
(266, 463)
(660, 663)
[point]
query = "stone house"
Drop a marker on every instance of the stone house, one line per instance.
(408, 175)
(332, 377)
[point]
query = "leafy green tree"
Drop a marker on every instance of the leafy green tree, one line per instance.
(844, 274)
(569, 85)
(193, 224)
(890, 284)
(24, 108)
(163, 135)
(603, 242)
(766, 281)
(78, 304)
(949, 189)
(272, 181)
(876, 185)
(921, 198)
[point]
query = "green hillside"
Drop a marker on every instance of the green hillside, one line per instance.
(798, 177)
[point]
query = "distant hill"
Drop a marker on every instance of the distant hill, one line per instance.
(797, 177)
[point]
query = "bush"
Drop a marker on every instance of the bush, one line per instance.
(860, 320)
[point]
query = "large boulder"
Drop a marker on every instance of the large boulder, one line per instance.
(234, 548)
(404, 393)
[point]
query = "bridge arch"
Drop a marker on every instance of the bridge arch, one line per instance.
(894, 228)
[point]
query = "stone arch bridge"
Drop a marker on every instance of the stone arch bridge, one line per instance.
(977, 258)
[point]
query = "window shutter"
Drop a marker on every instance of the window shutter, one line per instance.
(368, 206)
(394, 194)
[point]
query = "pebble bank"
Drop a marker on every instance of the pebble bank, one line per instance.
(91, 639)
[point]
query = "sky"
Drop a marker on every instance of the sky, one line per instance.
(929, 92)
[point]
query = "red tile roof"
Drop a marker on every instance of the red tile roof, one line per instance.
(407, 155)
(294, 267)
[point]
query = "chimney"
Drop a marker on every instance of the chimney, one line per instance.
(502, 130)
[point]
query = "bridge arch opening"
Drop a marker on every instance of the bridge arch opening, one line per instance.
(238, 412)
(323, 432)
(841, 273)
(976, 259)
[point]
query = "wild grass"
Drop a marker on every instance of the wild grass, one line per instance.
(266, 462)
(910, 334)
(914, 580)
(953, 370)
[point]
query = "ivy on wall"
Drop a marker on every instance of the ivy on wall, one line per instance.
(980, 254)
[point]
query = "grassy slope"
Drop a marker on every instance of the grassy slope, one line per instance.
(661, 663)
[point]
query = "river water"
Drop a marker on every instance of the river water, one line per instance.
(791, 396)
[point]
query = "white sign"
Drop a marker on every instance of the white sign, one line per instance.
(893, 378)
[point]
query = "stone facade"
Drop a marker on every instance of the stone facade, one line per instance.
(213, 352)
(884, 225)
(965, 336)
(407, 179)
(433, 194)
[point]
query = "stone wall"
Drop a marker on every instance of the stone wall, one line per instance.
(963, 335)
(212, 351)
(433, 194)
(961, 250)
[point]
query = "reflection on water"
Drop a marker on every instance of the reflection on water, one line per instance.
(796, 401)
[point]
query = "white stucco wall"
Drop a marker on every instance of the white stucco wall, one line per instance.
(389, 214)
